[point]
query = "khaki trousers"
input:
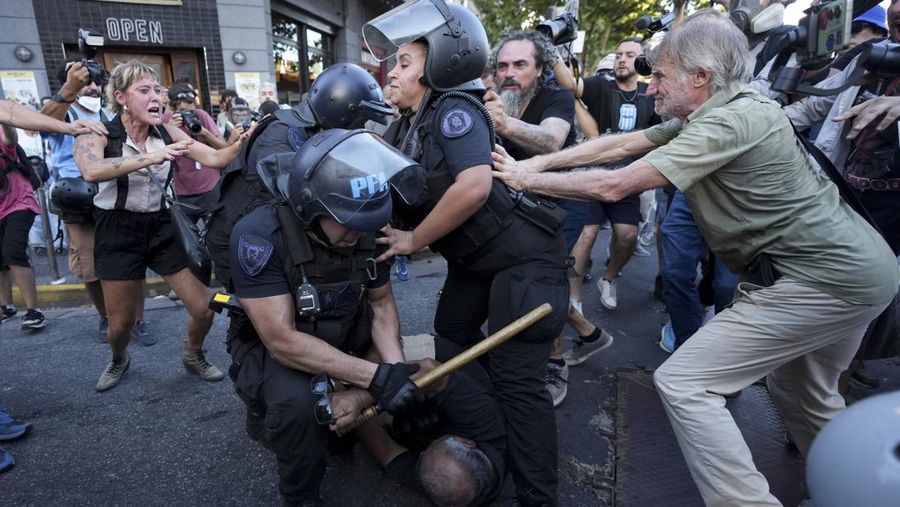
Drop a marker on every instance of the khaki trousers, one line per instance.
(797, 336)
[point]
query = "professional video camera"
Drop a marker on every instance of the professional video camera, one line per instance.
(191, 121)
(562, 30)
(87, 45)
(823, 31)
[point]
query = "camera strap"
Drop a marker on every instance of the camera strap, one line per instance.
(847, 193)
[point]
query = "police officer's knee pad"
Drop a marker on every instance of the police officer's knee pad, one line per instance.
(290, 426)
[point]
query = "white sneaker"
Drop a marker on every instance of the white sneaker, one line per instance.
(607, 293)
(576, 304)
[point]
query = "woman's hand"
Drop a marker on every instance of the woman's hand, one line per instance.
(398, 243)
(87, 127)
(172, 151)
(508, 170)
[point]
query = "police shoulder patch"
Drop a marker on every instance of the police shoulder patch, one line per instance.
(456, 122)
(253, 253)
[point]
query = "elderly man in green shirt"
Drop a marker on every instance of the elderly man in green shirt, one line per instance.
(753, 190)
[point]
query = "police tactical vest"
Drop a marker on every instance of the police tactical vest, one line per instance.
(494, 216)
(339, 276)
(114, 142)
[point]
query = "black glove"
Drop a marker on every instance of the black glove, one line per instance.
(392, 387)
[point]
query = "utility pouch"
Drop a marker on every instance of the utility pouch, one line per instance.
(540, 212)
(338, 300)
(761, 271)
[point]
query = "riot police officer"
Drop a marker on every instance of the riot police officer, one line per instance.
(505, 252)
(343, 96)
(314, 299)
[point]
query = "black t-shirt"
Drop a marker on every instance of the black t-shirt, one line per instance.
(549, 102)
(274, 139)
(615, 110)
(873, 169)
(466, 409)
(461, 137)
(257, 255)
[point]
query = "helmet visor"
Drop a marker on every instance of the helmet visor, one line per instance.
(352, 180)
(401, 25)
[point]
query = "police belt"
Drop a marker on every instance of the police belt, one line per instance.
(543, 213)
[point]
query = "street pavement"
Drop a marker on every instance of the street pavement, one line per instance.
(164, 437)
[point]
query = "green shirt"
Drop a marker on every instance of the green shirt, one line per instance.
(753, 190)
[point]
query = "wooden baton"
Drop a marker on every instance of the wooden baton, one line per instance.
(513, 328)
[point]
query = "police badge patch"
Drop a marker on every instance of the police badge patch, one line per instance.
(456, 123)
(253, 254)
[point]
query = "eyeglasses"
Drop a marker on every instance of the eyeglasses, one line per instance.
(321, 385)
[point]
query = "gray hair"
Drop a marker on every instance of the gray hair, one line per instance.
(544, 50)
(444, 485)
(708, 40)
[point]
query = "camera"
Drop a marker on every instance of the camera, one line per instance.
(561, 30)
(87, 45)
(652, 24)
(191, 121)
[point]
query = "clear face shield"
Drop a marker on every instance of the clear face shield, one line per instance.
(350, 178)
(403, 24)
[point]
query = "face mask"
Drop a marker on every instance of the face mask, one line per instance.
(92, 104)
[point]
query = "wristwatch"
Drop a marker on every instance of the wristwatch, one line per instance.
(59, 98)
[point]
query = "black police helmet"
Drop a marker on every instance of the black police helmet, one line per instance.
(73, 195)
(345, 96)
(345, 175)
(457, 51)
(457, 43)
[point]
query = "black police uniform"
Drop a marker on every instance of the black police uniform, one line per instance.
(240, 191)
(280, 403)
(499, 267)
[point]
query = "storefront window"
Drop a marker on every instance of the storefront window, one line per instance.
(300, 54)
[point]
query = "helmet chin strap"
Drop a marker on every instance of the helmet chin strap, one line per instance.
(319, 232)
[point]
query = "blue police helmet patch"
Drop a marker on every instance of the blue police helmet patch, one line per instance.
(456, 122)
(253, 254)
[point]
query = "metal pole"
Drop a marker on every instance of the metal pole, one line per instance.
(48, 239)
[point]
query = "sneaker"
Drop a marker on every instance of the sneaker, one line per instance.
(577, 305)
(582, 350)
(667, 338)
(195, 363)
(6, 460)
(140, 334)
(103, 335)
(113, 373)
(9, 311)
(400, 268)
(607, 293)
(557, 382)
(11, 428)
(33, 319)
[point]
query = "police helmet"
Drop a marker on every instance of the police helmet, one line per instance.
(344, 174)
(73, 195)
(855, 459)
(345, 96)
(457, 43)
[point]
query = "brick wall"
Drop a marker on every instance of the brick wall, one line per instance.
(194, 26)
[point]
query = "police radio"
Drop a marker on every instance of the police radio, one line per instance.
(306, 299)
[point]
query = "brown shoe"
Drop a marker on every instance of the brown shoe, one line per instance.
(195, 363)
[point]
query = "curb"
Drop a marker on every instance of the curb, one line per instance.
(74, 294)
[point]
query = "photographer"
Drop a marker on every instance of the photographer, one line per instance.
(195, 183)
(764, 212)
(240, 118)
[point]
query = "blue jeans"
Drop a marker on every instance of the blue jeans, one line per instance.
(683, 249)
